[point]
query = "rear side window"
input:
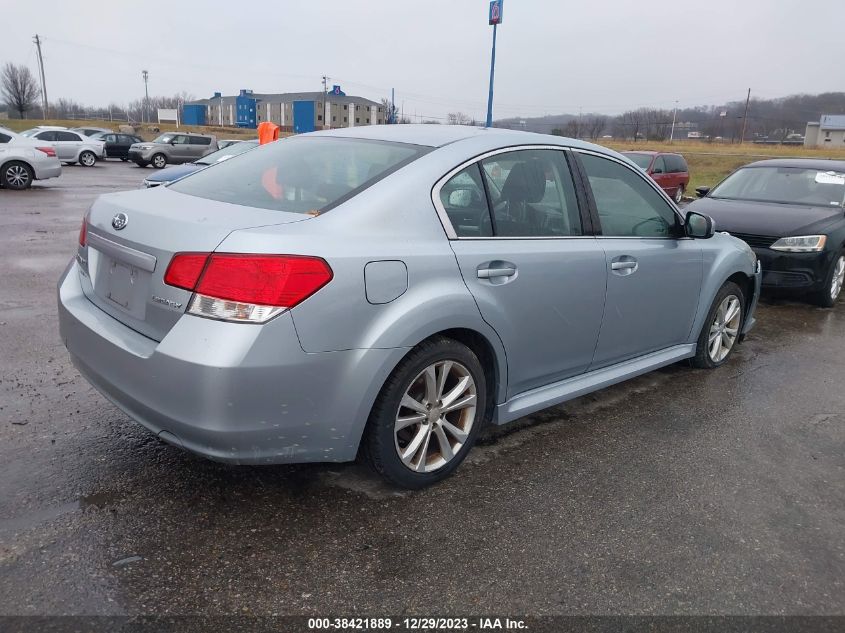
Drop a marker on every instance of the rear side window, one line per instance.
(675, 163)
(67, 136)
(531, 194)
(300, 175)
(627, 205)
(200, 140)
(465, 202)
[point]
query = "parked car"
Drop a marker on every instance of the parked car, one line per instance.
(23, 160)
(91, 131)
(668, 170)
(41, 128)
(790, 211)
(392, 288)
(172, 148)
(117, 145)
(71, 147)
(166, 176)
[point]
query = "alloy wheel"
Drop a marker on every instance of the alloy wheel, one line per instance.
(838, 278)
(87, 159)
(724, 329)
(435, 416)
(159, 161)
(679, 194)
(17, 176)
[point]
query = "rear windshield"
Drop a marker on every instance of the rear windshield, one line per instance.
(300, 174)
(640, 160)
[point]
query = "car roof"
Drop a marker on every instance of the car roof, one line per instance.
(822, 164)
(439, 135)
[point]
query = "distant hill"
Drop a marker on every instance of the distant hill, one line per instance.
(767, 118)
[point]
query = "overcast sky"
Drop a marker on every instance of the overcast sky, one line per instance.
(553, 56)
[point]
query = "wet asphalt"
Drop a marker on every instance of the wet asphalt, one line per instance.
(681, 492)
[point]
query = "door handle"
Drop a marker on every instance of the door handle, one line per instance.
(623, 265)
(490, 273)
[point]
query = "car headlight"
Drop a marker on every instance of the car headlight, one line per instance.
(800, 244)
(145, 147)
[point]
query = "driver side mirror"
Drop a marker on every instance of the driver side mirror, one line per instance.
(699, 226)
(702, 191)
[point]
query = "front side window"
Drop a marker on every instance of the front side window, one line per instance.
(164, 138)
(5, 138)
(659, 166)
(300, 175)
(627, 205)
(46, 136)
(531, 194)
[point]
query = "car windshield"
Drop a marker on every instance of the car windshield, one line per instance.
(227, 152)
(300, 175)
(640, 160)
(784, 185)
(31, 132)
(164, 138)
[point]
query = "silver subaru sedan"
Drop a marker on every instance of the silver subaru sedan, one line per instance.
(389, 291)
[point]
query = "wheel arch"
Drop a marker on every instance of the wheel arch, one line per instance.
(3, 165)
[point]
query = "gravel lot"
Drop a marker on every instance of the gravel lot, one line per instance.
(680, 492)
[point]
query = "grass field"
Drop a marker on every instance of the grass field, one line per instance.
(711, 162)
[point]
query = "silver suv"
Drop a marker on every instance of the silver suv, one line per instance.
(172, 148)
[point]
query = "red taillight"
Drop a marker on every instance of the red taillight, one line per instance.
(83, 233)
(184, 270)
(268, 280)
(47, 150)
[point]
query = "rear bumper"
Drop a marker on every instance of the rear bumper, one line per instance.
(45, 170)
(800, 272)
(231, 392)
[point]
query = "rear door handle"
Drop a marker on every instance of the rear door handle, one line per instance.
(489, 273)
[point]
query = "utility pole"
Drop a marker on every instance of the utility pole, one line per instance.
(325, 92)
(37, 41)
(495, 19)
(674, 116)
(146, 108)
(392, 106)
(745, 117)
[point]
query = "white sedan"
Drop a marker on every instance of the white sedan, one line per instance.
(71, 147)
(23, 160)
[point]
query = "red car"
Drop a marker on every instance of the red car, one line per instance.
(670, 171)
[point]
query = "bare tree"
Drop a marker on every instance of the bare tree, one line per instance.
(19, 88)
(389, 110)
(458, 118)
(595, 126)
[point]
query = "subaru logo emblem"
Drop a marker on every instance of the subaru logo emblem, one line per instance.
(120, 221)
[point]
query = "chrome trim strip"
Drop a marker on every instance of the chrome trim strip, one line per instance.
(141, 260)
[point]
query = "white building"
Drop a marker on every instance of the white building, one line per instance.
(828, 132)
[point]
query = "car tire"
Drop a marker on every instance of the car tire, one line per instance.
(16, 175)
(834, 280)
(414, 447)
(159, 161)
(141, 163)
(87, 159)
(707, 354)
(679, 194)
(124, 159)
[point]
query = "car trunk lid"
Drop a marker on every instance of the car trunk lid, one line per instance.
(131, 238)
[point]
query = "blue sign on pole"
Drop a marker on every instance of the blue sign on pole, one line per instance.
(496, 12)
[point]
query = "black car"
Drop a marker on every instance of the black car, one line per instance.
(792, 213)
(117, 145)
